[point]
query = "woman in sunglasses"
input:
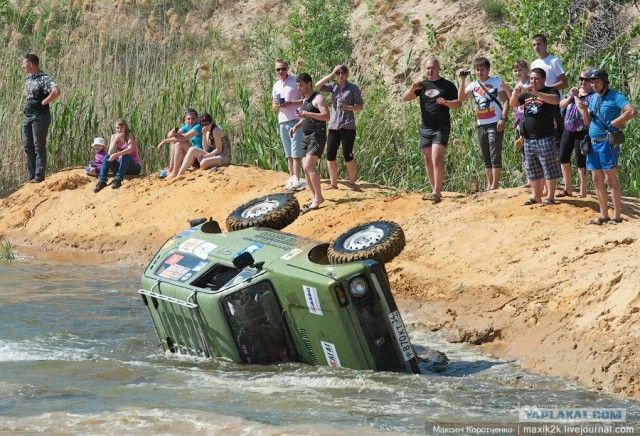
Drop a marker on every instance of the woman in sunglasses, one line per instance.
(347, 100)
(215, 140)
(574, 132)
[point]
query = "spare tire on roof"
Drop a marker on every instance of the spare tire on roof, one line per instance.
(275, 211)
(379, 240)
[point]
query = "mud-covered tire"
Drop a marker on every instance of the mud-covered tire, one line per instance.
(275, 211)
(379, 240)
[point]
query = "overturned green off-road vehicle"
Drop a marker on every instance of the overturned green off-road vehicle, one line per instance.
(257, 295)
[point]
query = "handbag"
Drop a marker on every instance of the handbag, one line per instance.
(616, 138)
(585, 145)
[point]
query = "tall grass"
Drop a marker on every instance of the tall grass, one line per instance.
(149, 61)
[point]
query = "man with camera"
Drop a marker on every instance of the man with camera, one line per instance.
(437, 96)
(606, 116)
(492, 107)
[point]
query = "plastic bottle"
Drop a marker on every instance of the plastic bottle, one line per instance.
(474, 183)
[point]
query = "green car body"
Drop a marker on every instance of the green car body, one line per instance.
(286, 303)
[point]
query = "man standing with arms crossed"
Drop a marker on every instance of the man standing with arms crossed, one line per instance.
(314, 115)
(437, 96)
(39, 91)
(285, 99)
(492, 107)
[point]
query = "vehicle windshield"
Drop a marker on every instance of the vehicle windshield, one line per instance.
(257, 325)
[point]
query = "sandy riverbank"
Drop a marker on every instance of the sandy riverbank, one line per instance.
(528, 282)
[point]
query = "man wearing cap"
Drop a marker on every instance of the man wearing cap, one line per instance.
(605, 114)
(181, 139)
(285, 100)
(39, 91)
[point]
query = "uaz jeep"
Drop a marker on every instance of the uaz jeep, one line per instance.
(257, 295)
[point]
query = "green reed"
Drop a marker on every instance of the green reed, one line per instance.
(152, 78)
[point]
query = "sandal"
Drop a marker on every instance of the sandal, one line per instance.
(308, 208)
(352, 187)
(331, 187)
(547, 202)
(615, 221)
(580, 196)
(529, 202)
(598, 221)
(564, 193)
(432, 197)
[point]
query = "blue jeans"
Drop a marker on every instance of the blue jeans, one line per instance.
(125, 166)
(34, 141)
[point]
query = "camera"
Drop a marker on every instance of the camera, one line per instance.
(465, 73)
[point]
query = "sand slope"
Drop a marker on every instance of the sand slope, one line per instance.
(529, 282)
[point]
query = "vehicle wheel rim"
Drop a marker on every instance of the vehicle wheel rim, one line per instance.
(260, 209)
(364, 239)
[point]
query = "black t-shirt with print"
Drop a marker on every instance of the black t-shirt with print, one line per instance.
(538, 116)
(38, 88)
(433, 114)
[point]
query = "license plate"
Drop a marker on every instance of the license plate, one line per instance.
(401, 335)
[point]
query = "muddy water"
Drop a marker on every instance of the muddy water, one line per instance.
(79, 354)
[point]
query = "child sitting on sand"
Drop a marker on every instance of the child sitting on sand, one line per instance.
(94, 167)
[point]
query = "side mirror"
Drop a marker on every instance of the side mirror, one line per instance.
(211, 227)
(243, 260)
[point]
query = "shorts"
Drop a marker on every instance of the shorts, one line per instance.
(571, 143)
(347, 137)
(603, 156)
(490, 141)
(541, 158)
(438, 135)
(292, 146)
(313, 142)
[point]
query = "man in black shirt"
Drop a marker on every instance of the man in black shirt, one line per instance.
(541, 157)
(437, 96)
(39, 92)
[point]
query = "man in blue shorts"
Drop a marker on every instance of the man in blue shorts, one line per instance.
(606, 113)
(437, 96)
(286, 99)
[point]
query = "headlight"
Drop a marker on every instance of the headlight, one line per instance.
(358, 287)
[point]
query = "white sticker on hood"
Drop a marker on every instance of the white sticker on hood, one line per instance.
(291, 254)
(203, 250)
(189, 245)
(313, 302)
(331, 354)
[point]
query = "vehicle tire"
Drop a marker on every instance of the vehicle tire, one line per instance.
(274, 211)
(380, 240)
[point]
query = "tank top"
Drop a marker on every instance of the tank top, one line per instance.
(122, 145)
(311, 124)
(226, 145)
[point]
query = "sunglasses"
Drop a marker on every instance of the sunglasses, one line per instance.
(281, 69)
(341, 73)
(584, 79)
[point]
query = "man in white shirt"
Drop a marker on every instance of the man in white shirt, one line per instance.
(492, 106)
(556, 77)
(286, 99)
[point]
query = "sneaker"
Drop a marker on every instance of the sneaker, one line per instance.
(162, 174)
(301, 185)
(99, 186)
(116, 184)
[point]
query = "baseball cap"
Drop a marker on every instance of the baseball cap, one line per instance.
(98, 141)
(598, 73)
